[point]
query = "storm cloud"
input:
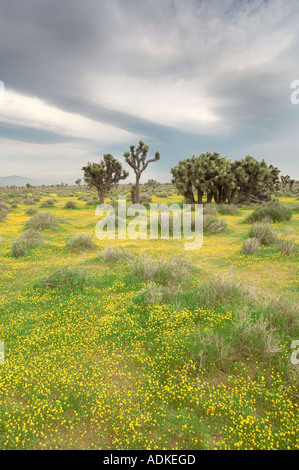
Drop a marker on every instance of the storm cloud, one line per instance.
(87, 78)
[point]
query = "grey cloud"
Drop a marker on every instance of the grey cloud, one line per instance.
(243, 55)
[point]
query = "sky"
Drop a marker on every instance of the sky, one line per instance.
(86, 78)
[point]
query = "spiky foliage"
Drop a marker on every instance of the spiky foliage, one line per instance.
(182, 177)
(78, 182)
(224, 181)
(137, 160)
(104, 175)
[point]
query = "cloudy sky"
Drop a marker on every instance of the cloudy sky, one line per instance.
(85, 78)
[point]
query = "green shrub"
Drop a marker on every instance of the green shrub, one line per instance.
(70, 205)
(31, 211)
(166, 272)
(3, 214)
(264, 232)
(29, 201)
(227, 209)
(4, 206)
(41, 221)
(209, 347)
(29, 239)
(212, 224)
(210, 209)
(254, 338)
(283, 314)
(67, 279)
(81, 242)
(250, 245)
(152, 294)
(90, 202)
(272, 210)
(286, 245)
(32, 237)
(145, 199)
(247, 338)
(217, 291)
(114, 254)
(48, 203)
(19, 248)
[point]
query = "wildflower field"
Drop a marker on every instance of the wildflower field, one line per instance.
(139, 344)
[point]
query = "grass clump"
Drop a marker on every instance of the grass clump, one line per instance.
(66, 280)
(219, 290)
(272, 210)
(210, 209)
(227, 209)
(286, 245)
(4, 210)
(264, 232)
(29, 201)
(212, 224)
(113, 254)
(42, 221)
(30, 239)
(70, 205)
(165, 272)
(81, 242)
(90, 202)
(48, 203)
(152, 294)
(250, 245)
(31, 211)
(19, 248)
(145, 199)
(246, 338)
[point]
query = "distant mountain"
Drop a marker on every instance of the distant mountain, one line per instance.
(16, 181)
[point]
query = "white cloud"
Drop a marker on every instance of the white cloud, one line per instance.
(47, 160)
(37, 114)
(177, 103)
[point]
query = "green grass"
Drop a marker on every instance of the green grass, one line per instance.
(103, 352)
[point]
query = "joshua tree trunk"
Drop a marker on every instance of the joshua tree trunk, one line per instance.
(189, 196)
(199, 196)
(248, 195)
(101, 197)
(137, 196)
(209, 197)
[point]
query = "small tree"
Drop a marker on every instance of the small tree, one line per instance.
(104, 175)
(291, 184)
(152, 184)
(136, 159)
(78, 182)
(285, 180)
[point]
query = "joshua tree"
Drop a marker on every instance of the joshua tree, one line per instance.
(182, 178)
(78, 182)
(285, 180)
(136, 159)
(291, 184)
(152, 184)
(221, 180)
(104, 175)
